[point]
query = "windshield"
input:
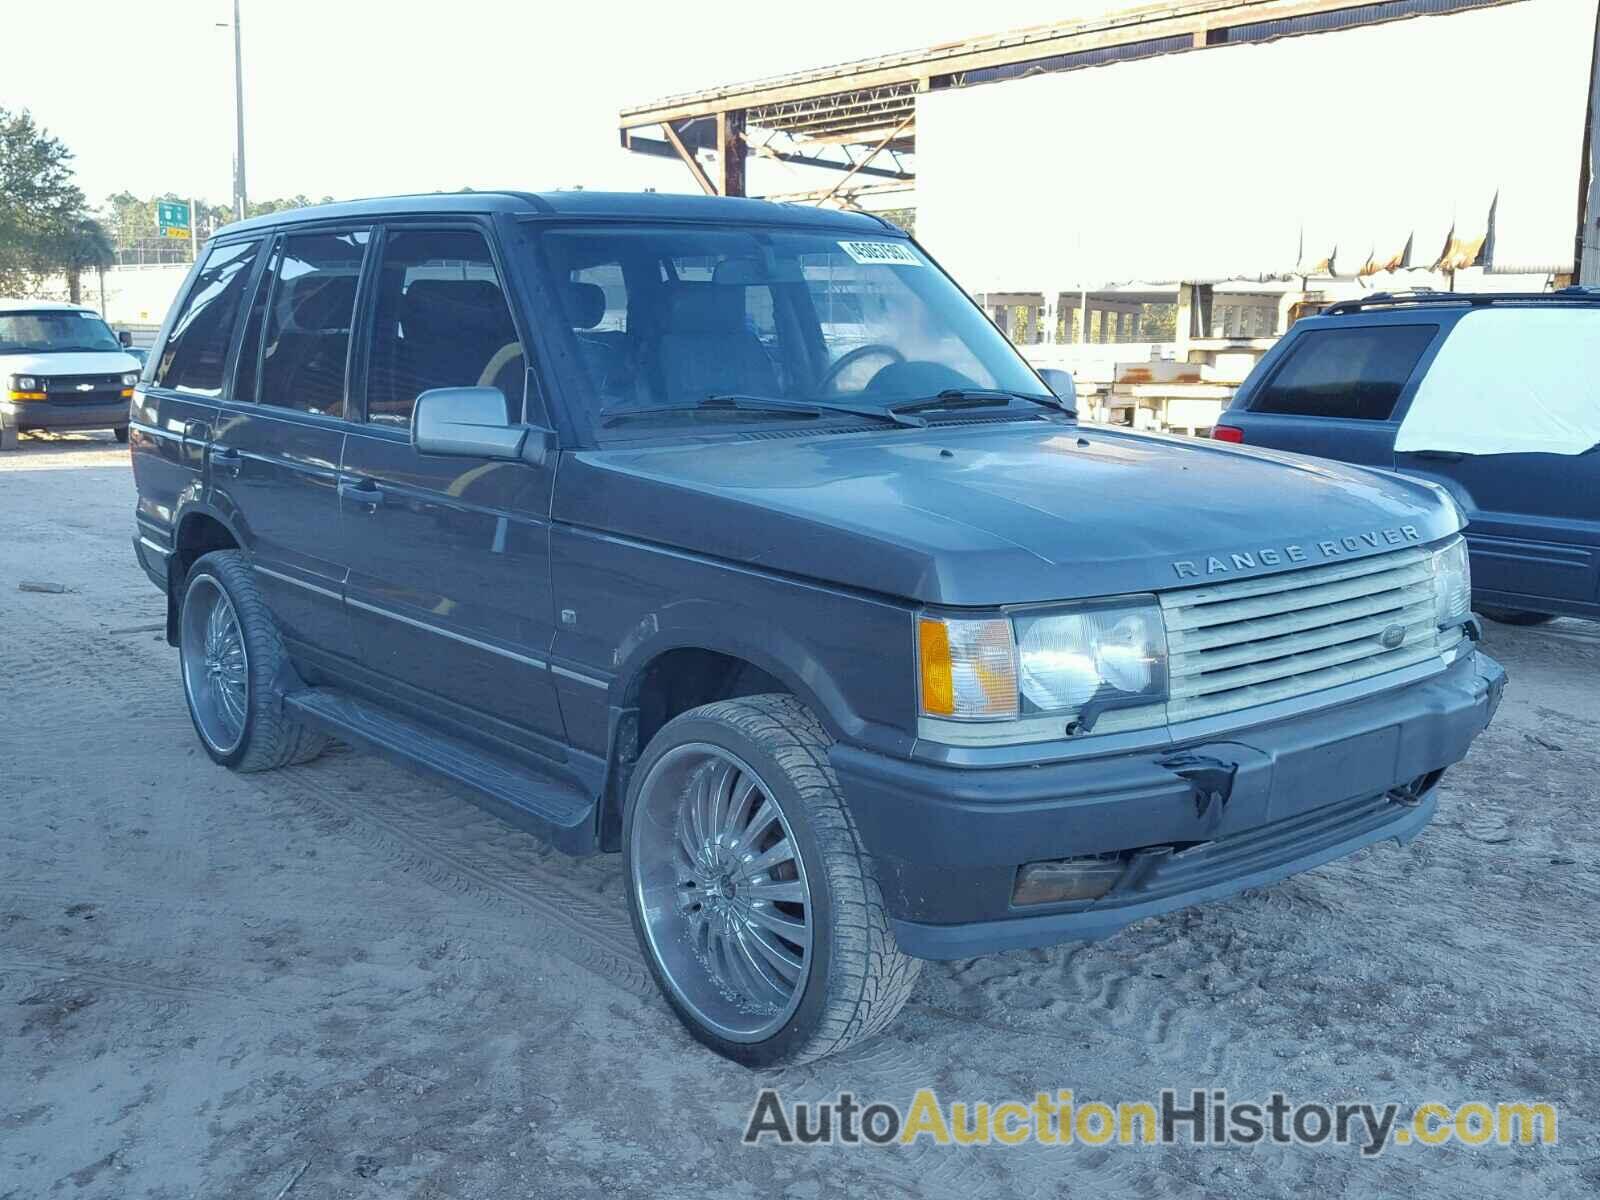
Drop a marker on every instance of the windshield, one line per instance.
(665, 319)
(54, 331)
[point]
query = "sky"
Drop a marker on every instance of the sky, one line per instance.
(368, 97)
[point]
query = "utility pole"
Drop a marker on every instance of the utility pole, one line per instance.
(239, 200)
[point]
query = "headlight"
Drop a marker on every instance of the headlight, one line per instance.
(130, 378)
(1452, 583)
(24, 383)
(1094, 656)
(1069, 662)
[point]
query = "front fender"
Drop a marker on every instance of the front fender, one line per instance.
(703, 624)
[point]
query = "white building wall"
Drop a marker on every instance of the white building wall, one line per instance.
(1252, 161)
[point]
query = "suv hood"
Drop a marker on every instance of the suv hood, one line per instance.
(88, 362)
(1019, 512)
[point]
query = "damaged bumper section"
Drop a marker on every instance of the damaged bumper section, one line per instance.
(978, 860)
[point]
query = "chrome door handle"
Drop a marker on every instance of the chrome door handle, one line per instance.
(367, 494)
(227, 459)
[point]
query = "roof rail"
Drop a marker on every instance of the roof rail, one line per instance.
(1427, 296)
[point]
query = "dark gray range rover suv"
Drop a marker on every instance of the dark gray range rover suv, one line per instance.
(732, 536)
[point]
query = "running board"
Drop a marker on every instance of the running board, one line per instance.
(544, 805)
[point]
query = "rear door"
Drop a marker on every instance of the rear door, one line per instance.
(1335, 391)
(175, 405)
(449, 589)
(1509, 377)
(275, 455)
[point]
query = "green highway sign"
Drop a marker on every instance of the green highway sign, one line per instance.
(172, 217)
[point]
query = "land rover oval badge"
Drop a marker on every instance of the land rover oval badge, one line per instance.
(1392, 636)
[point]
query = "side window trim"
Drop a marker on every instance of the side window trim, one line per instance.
(485, 229)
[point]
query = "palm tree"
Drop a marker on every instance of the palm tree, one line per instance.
(82, 245)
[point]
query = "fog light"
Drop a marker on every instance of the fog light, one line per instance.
(1063, 879)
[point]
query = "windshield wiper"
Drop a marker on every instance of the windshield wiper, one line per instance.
(975, 397)
(736, 403)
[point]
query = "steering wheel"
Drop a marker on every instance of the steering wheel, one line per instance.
(850, 358)
(498, 363)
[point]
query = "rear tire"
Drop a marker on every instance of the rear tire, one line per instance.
(8, 438)
(705, 910)
(231, 660)
(1517, 616)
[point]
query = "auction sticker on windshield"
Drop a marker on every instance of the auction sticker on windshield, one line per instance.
(896, 254)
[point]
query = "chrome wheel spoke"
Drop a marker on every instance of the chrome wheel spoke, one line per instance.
(798, 932)
(719, 795)
(781, 851)
(733, 824)
(767, 986)
(766, 813)
(784, 960)
(791, 890)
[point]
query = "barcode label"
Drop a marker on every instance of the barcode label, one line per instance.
(896, 254)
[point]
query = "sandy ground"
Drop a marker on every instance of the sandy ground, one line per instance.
(209, 982)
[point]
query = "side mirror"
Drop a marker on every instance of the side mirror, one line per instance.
(473, 422)
(125, 337)
(1061, 383)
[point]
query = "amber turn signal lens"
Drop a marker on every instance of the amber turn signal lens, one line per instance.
(938, 683)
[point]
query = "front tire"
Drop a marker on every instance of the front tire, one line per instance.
(120, 432)
(231, 659)
(756, 906)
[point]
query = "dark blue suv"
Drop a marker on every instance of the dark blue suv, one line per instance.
(734, 537)
(1494, 397)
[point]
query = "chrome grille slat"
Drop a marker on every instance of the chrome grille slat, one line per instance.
(1417, 620)
(1298, 578)
(1246, 642)
(1220, 612)
(1357, 607)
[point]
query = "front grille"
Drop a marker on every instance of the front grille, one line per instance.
(1254, 641)
(67, 388)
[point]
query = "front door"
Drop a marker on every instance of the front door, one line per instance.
(449, 589)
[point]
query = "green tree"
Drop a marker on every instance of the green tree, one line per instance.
(42, 211)
(84, 245)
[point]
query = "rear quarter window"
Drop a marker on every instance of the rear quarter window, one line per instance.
(1356, 374)
(197, 346)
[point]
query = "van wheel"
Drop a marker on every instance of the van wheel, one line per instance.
(231, 658)
(756, 906)
(120, 432)
(1517, 616)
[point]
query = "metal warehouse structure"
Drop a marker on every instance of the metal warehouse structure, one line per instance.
(1227, 164)
(1441, 72)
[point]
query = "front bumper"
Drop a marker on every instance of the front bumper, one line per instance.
(1201, 821)
(46, 414)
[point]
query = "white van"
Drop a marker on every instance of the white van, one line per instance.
(61, 367)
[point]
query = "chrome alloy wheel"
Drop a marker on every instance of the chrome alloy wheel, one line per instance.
(722, 890)
(216, 665)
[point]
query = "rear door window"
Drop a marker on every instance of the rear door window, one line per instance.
(1355, 374)
(196, 351)
(442, 321)
(309, 314)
